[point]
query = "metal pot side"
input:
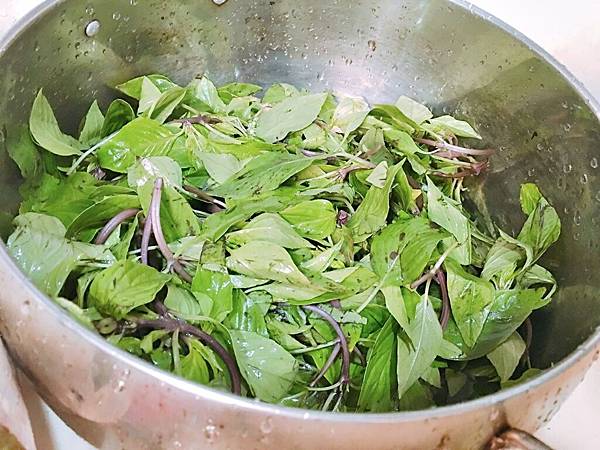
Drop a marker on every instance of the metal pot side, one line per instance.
(447, 54)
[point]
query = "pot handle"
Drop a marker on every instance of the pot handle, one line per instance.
(513, 439)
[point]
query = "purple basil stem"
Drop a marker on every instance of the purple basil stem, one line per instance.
(154, 215)
(345, 378)
(528, 333)
(204, 197)
(146, 234)
(310, 153)
(327, 365)
(343, 217)
(440, 278)
(198, 120)
(456, 148)
(361, 357)
(475, 169)
(168, 324)
(113, 223)
(159, 306)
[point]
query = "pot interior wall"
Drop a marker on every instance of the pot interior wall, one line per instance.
(433, 50)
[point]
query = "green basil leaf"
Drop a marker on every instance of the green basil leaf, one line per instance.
(263, 174)
(268, 368)
(248, 312)
(147, 170)
(444, 124)
(349, 114)
(321, 261)
(218, 288)
(124, 286)
(508, 311)
(471, 298)
(268, 227)
(141, 137)
(182, 301)
(193, 365)
(542, 227)
(376, 390)
(84, 316)
(216, 225)
(527, 375)
(312, 219)
(46, 132)
(266, 261)
(234, 90)
(416, 354)
(392, 115)
(401, 251)
(121, 248)
(414, 110)
(163, 106)
(133, 88)
(447, 214)
(25, 154)
(40, 249)
(372, 213)
(291, 114)
(220, 167)
(279, 92)
(506, 356)
(95, 217)
(378, 175)
(204, 91)
(64, 198)
(148, 97)
(501, 263)
(91, 132)
(119, 114)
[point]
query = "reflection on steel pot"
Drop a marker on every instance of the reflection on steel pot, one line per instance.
(443, 53)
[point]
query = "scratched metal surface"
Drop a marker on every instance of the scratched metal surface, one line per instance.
(572, 36)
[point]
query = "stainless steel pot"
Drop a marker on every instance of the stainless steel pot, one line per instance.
(447, 54)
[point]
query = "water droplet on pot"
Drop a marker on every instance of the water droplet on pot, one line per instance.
(266, 425)
(594, 163)
(372, 45)
(494, 415)
(116, 16)
(211, 433)
(133, 2)
(92, 28)
(584, 178)
(577, 218)
(567, 127)
(89, 10)
(567, 168)
(219, 2)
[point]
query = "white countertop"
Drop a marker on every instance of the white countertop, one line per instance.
(568, 30)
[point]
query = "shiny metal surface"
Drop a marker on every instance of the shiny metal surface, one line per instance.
(444, 53)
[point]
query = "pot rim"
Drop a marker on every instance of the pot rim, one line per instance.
(62, 318)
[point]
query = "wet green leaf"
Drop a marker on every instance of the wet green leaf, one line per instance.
(125, 286)
(267, 367)
(292, 114)
(46, 132)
